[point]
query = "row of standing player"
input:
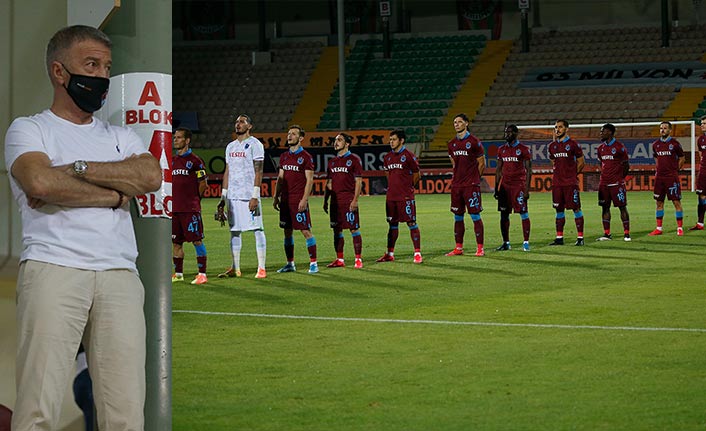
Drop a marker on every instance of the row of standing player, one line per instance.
(244, 163)
(240, 202)
(513, 172)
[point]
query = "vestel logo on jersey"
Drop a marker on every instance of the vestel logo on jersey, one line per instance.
(561, 154)
(664, 153)
(460, 153)
(290, 167)
(511, 159)
(395, 166)
(180, 172)
(339, 169)
(236, 154)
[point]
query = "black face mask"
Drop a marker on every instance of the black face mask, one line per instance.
(87, 92)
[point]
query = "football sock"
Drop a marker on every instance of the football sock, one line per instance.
(578, 219)
(178, 264)
(478, 228)
(236, 244)
(505, 226)
(680, 218)
(525, 226)
(311, 248)
(289, 248)
(701, 210)
(201, 257)
(392, 235)
(606, 226)
(416, 239)
(560, 222)
(459, 229)
(659, 214)
(201, 263)
(357, 243)
(338, 242)
(261, 248)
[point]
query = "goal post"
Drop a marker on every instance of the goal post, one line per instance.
(642, 132)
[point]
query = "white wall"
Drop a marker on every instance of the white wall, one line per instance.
(6, 209)
(27, 25)
(25, 28)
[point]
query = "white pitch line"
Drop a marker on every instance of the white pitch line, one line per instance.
(442, 322)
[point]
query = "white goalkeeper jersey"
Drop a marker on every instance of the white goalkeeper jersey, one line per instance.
(241, 172)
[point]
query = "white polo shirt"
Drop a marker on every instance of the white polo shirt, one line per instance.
(241, 172)
(85, 238)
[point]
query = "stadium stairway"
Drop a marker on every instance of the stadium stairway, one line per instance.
(323, 80)
(684, 104)
(471, 95)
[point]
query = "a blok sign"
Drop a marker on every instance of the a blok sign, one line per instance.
(143, 102)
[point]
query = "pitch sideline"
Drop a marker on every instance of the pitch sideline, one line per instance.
(442, 322)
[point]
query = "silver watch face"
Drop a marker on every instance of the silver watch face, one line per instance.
(80, 167)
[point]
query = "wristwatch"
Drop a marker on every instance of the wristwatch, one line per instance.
(80, 167)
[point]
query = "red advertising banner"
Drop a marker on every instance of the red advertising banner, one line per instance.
(325, 139)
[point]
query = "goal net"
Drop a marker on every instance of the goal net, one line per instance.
(637, 138)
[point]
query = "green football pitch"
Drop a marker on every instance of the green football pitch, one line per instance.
(609, 336)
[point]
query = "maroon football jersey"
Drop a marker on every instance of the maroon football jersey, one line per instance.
(294, 165)
(565, 153)
(667, 154)
(701, 145)
(400, 167)
(187, 171)
(612, 155)
(513, 157)
(342, 171)
(465, 153)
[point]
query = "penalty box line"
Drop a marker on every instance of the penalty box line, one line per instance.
(442, 322)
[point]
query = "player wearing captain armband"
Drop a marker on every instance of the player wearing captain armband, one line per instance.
(240, 197)
(189, 182)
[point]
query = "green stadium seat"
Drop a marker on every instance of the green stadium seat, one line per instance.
(375, 124)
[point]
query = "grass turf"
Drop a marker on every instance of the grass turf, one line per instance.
(233, 372)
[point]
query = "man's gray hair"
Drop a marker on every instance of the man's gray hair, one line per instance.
(63, 39)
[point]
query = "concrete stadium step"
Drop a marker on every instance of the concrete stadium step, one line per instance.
(323, 80)
(473, 91)
(434, 159)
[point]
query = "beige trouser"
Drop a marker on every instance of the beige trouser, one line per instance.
(54, 305)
